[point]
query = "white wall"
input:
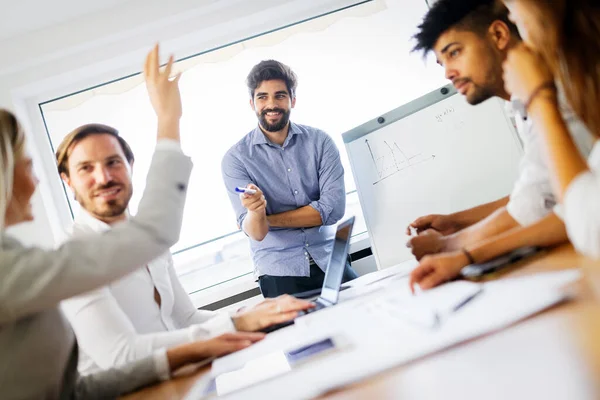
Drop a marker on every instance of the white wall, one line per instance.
(109, 44)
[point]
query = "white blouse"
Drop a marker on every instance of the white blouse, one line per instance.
(532, 197)
(581, 208)
(122, 322)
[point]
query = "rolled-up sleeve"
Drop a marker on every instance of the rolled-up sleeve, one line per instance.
(581, 211)
(529, 204)
(332, 200)
(234, 175)
(531, 198)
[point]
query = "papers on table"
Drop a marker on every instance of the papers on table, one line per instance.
(428, 309)
(374, 281)
(383, 337)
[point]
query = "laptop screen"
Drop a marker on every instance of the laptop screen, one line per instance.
(337, 261)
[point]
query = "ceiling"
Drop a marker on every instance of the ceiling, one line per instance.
(30, 15)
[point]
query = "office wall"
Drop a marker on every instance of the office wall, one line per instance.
(109, 44)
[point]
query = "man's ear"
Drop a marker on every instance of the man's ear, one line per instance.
(294, 102)
(500, 34)
(66, 179)
(252, 105)
(68, 182)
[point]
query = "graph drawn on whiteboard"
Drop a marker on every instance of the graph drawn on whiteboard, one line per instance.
(390, 158)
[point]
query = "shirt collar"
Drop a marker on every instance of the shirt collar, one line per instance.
(258, 137)
(518, 107)
(85, 219)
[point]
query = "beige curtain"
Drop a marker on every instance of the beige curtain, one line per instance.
(315, 26)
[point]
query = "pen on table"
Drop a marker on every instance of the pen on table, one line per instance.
(245, 190)
(467, 300)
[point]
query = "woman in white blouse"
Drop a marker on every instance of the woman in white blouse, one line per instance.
(39, 351)
(563, 45)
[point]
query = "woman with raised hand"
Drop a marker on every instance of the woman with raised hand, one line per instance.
(38, 347)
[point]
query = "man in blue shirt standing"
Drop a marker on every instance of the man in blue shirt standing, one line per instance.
(299, 182)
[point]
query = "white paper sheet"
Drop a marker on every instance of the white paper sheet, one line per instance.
(380, 344)
(375, 281)
(400, 269)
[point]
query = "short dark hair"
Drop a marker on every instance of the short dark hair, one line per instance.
(64, 149)
(269, 70)
(470, 15)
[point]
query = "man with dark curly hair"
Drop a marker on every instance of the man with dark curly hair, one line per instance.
(471, 40)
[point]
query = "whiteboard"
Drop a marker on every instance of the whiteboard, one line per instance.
(437, 154)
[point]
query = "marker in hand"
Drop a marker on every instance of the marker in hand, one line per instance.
(245, 190)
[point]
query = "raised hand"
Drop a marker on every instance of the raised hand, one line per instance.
(164, 94)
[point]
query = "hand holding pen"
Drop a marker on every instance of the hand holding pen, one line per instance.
(252, 198)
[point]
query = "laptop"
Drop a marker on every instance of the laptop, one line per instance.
(333, 274)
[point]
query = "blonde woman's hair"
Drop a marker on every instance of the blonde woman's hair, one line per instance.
(12, 146)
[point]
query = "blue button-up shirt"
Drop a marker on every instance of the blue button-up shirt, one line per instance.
(305, 170)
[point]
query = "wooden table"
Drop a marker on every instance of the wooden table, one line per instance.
(552, 355)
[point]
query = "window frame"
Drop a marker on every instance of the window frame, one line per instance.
(55, 211)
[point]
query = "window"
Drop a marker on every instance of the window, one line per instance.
(352, 66)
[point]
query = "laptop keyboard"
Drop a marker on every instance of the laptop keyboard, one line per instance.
(272, 328)
(317, 307)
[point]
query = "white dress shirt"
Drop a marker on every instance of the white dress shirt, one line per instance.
(122, 322)
(581, 208)
(37, 346)
(532, 197)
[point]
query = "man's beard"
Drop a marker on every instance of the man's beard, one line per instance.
(493, 83)
(285, 118)
(480, 94)
(111, 208)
